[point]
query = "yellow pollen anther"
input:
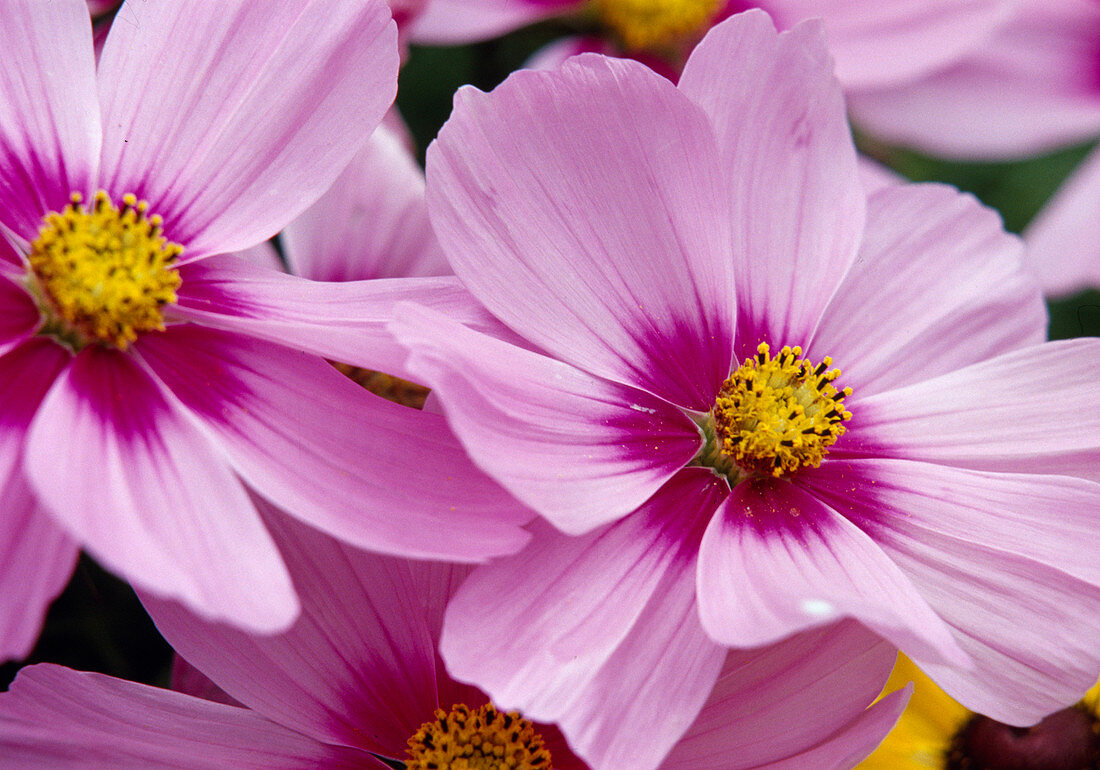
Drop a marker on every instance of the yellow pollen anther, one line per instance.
(776, 415)
(482, 739)
(103, 274)
(654, 25)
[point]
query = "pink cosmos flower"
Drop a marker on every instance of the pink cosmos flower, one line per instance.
(962, 78)
(688, 267)
(1063, 240)
(358, 676)
(148, 377)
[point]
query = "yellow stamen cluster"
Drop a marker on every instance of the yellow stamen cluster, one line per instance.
(776, 415)
(655, 25)
(481, 739)
(103, 274)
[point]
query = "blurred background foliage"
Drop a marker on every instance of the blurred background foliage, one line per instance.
(98, 624)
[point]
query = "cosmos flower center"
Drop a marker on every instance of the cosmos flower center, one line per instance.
(657, 24)
(1066, 740)
(103, 274)
(479, 739)
(773, 416)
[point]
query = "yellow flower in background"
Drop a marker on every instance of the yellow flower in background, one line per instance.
(936, 733)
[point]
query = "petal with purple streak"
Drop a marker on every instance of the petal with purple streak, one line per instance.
(775, 560)
(585, 208)
(580, 450)
(371, 472)
(797, 205)
(126, 473)
(256, 113)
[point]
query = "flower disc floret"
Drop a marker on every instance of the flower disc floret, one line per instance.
(657, 24)
(479, 739)
(775, 415)
(103, 274)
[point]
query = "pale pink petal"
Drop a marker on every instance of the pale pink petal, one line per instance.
(368, 471)
(31, 369)
(126, 473)
(651, 689)
(56, 717)
(262, 254)
(580, 450)
(586, 209)
(1063, 241)
(874, 176)
(1043, 518)
(878, 44)
(776, 560)
(358, 668)
(49, 118)
(768, 708)
(37, 558)
(251, 116)
(341, 321)
(450, 22)
(1030, 628)
(1032, 653)
(1030, 411)
(19, 316)
(938, 285)
(568, 629)
(372, 222)
(1033, 86)
(798, 207)
(554, 54)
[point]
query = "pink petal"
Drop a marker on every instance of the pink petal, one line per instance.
(127, 474)
(874, 176)
(805, 695)
(1043, 518)
(580, 450)
(49, 118)
(19, 316)
(1030, 411)
(548, 629)
(31, 369)
(340, 321)
(879, 44)
(776, 560)
(1063, 240)
(37, 558)
(250, 119)
(358, 668)
(57, 717)
(584, 207)
(937, 274)
(449, 22)
(798, 207)
(375, 474)
(651, 689)
(1003, 559)
(1030, 88)
(372, 222)
(263, 254)
(190, 681)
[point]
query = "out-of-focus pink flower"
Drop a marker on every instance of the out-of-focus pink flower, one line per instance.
(705, 492)
(963, 78)
(1030, 87)
(144, 383)
(1063, 241)
(358, 675)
